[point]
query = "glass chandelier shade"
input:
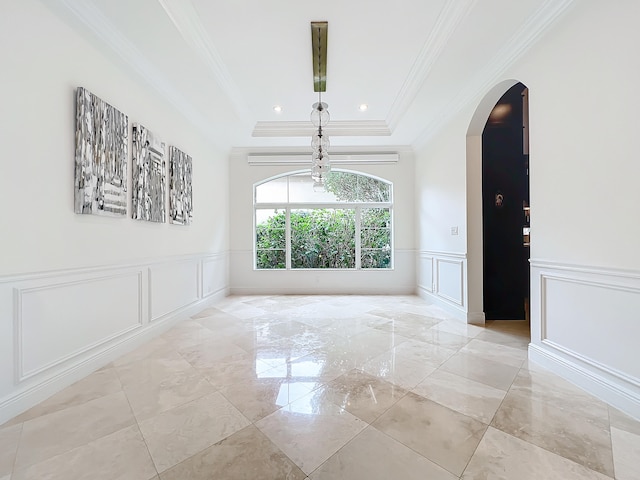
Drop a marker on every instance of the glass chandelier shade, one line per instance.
(319, 173)
(320, 156)
(320, 114)
(320, 140)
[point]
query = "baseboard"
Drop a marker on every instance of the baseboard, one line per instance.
(476, 318)
(323, 290)
(23, 399)
(452, 309)
(612, 389)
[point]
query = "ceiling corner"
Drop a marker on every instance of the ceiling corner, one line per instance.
(450, 16)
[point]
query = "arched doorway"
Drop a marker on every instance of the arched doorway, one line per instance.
(505, 207)
(476, 249)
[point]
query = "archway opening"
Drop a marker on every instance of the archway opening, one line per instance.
(475, 216)
(505, 208)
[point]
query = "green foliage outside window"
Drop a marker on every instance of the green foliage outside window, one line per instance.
(271, 241)
(349, 187)
(375, 238)
(323, 238)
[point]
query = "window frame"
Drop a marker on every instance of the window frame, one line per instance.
(288, 206)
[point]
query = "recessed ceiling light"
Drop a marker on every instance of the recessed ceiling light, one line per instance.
(277, 108)
(363, 107)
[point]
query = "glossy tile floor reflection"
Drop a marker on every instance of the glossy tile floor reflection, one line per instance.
(331, 387)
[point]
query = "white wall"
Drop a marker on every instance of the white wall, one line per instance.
(245, 280)
(584, 197)
(440, 204)
(61, 272)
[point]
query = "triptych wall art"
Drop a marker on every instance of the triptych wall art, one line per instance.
(101, 156)
(148, 176)
(179, 187)
(102, 140)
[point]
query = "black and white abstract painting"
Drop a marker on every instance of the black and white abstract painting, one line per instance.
(101, 156)
(180, 194)
(148, 176)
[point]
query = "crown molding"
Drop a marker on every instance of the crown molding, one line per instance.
(185, 18)
(452, 13)
(514, 49)
(273, 158)
(364, 128)
(107, 33)
(242, 152)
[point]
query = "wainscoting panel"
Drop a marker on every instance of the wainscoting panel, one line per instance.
(57, 327)
(425, 272)
(585, 326)
(450, 276)
(172, 286)
(214, 274)
(442, 280)
(84, 310)
(604, 311)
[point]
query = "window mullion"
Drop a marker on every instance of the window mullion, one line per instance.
(358, 237)
(287, 236)
(391, 242)
(255, 236)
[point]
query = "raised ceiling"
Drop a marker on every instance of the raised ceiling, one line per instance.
(226, 64)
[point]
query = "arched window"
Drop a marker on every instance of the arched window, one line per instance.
(346, 226)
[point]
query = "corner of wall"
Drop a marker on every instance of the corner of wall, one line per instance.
(574, 334)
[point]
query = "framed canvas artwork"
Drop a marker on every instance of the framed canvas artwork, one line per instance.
(101, 156)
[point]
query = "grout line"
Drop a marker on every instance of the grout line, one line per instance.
(415, 451)
(339, 449)
(491, 421)
(613, 458)
(15, 457)
(137, 423)
(541, 446)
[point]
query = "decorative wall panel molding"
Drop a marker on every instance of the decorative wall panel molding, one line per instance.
(443, 254)
(214, 274)
(585, 328)
(172, 286)
(441, 279)
(58, 326)
(586, 269)
(425, 272)
(83, 309)
(450, 280)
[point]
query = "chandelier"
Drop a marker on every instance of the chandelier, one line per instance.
(320, 166)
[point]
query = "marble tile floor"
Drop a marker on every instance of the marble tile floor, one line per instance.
(323, 387)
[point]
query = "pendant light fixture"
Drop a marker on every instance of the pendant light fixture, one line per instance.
(320, 166)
